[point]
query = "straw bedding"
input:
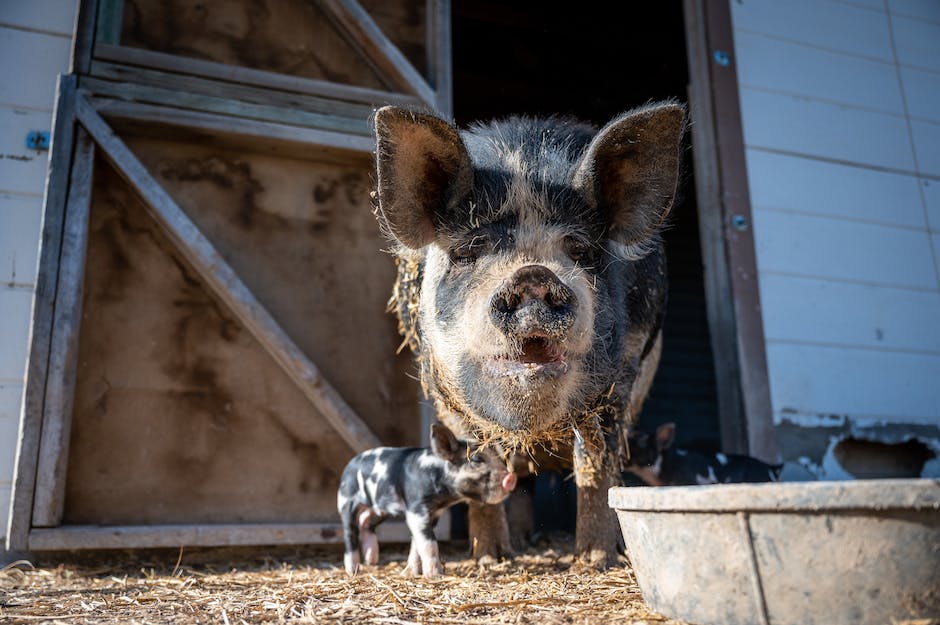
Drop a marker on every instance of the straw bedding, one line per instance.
(310, 586)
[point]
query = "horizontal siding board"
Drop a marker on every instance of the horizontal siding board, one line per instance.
(935, 238)
(924, 9)
(11, 396)
(927, 145)
(56, 16)
(823, 311)
(804, 126)
(22, 170)
(46, 56)
(931, 191)
(14, 332)
(837, 249)
(783, 66)
(895, 386)
(922, 92)
(917, 42)
(831, 189)
(20, 218)
(831, 25)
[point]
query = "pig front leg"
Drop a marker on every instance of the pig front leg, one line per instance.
(488, 530)
(597, 533)
(423, 543)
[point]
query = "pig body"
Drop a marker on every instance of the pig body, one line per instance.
(532, 285)
(416, 484)
(656, 461)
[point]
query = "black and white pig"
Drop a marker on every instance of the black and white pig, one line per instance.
(416, 484)
(532, 285)
(655, 460)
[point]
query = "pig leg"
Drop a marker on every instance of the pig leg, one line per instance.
(489, 531)
(423, 541)
(350, 539)
(367, 537)
(596, 530)
(414, 561)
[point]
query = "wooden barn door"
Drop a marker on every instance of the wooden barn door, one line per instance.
(209, 340)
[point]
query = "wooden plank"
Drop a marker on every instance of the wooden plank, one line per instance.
(234, 91)
(440, 59)
(716, 280)
(49, 502)
(836, 249)
(366, 36)
(225, 106)
(216, 535)
(223, 281)
(83, 43)
(27, 450)
(267, 136)
(249, 76)
(110, 18)
(740, 255)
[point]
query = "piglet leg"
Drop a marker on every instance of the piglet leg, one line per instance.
(414, 561)
(367, 537)
(423, 541)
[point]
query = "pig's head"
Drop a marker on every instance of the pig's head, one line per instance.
(646, 449)
(477, 473)
(530, 235)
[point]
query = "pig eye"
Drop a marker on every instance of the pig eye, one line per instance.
(475, 459)
(463, 255)
(578, 250)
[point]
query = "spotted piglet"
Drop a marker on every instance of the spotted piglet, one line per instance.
(655, 461)
(417, 484)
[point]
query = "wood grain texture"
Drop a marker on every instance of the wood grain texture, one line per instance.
(49, 500)
(226, 284)
(41, 331)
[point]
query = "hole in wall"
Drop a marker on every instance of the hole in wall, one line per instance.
(866, 459)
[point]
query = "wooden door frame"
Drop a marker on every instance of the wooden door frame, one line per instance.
(726, 232)
(83, 121)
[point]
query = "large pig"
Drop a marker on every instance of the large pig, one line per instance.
(532, 285)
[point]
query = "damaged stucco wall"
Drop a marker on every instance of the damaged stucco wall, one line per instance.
(35, 40)
(840, 103)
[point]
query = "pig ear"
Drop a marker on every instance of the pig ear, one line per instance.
(665, 435)
(631, 169)
(443, 443)
(423, 173)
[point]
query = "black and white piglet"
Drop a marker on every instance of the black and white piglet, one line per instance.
(418, 484)
(655, 461)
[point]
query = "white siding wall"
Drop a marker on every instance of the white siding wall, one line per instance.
(35, 39)
(841, 110)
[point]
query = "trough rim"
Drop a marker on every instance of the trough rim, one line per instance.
(880, 494)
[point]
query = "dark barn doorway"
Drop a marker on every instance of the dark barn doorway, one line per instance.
(593, 60)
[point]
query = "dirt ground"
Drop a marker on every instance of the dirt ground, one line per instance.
(227, 586)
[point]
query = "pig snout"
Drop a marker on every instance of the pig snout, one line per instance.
(533, 299)
(509, 482)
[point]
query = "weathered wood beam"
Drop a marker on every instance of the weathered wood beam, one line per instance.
(230, 90)
(225, 283)
(63, 352)
(439, 54)
(368, 38)
(249, 76)
(27, 448)
(308, 143)
(133, 91)
(208, 535)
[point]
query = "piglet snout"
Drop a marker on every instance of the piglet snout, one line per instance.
(509, 482)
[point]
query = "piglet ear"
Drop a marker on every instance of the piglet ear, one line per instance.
(631, 169)
(665, 435)
(423, 174)
(443, 443)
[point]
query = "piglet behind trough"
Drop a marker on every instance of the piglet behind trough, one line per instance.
(417, 484)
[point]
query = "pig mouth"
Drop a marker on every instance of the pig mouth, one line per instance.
(537, 356)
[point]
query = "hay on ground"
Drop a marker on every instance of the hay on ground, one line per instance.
(309, 586)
